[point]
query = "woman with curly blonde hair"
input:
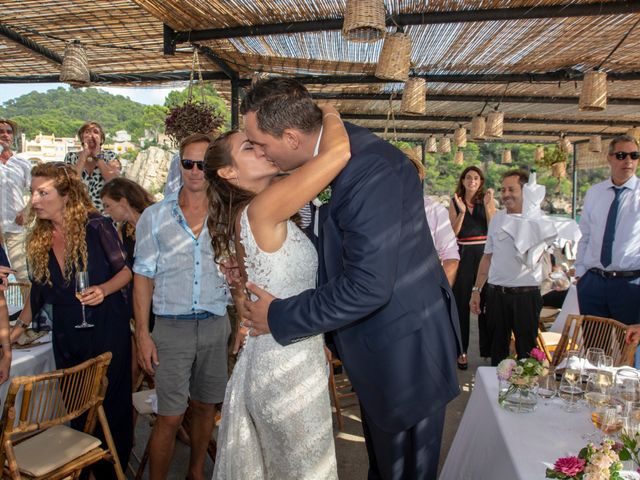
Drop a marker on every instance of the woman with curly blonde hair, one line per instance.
(69, 236)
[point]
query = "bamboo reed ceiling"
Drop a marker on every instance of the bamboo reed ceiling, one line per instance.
(127, 44)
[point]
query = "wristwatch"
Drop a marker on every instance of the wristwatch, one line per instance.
(476, 289)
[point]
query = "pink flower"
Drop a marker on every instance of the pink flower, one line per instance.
(570, 466)
(538, 354)
(505, 368)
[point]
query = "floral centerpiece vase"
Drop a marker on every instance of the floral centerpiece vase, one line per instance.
(518, 390)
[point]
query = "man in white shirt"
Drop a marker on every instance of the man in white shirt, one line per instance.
(608, 260)
(15, 180)
(513, 289)
(443, 237)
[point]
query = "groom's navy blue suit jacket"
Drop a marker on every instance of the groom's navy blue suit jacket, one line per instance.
(381, 290)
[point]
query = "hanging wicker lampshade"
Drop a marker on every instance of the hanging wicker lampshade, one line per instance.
(459, 158)
(432, 145)
(506, 156)
(595, 143)
(395, 58)
(75, 66)
(414, 97)
(478, 124)
(417, 152)
(460, 137)
(593, 97)
(634, 132)
(445, 145)
(559, 169)
(495, 124)
(538, 154)
(364, 20)
(565, 145)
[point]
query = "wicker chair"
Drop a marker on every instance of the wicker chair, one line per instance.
(35, 441)
(584, 331)
(338, 389)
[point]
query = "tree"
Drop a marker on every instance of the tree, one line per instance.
(153, 119)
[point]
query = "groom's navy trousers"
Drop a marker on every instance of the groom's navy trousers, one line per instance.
(383, 294)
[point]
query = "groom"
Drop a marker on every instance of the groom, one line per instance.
(381, 289)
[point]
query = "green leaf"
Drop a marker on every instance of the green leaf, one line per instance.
(624, 455)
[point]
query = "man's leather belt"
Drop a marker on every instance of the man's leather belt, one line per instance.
(501, 289)
(614, 274)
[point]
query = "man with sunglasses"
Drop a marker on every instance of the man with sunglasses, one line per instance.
(187, 354)
(608, 259)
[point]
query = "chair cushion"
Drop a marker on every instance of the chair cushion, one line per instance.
(551, 339)
(142, 401)
(52, 449)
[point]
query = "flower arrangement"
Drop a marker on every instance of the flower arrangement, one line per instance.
(630, 447)
(592, 463)
(521, 377)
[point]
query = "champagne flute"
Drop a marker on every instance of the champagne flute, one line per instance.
(598, 389)
(82, 283)
(592, 360)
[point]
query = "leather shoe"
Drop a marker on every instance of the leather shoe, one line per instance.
(462, 362)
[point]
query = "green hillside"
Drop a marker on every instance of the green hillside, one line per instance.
(61, 112)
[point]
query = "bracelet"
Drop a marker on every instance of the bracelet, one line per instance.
(331, 113)
(21, 324)
(476, 289)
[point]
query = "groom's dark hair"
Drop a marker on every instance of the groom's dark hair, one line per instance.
(282, 103)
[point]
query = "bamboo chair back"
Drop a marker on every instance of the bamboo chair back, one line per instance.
(38, 402)
(584, 331)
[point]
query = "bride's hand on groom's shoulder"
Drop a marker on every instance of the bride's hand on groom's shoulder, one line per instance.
(255, 313)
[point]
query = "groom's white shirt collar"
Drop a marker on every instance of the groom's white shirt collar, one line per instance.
(315, 150)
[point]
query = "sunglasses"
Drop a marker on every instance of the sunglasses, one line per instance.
(623, 155)
(188, 164)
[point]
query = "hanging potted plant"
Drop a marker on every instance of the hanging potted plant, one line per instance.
(194, 116)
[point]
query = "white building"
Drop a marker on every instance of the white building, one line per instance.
(47, 148)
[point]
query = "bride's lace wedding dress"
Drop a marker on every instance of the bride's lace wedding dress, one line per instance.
(276, 417)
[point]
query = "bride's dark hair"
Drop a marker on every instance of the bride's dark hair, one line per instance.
(226, 200)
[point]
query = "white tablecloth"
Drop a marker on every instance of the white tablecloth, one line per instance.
(569, 307)
(29, 361)
(492, 443)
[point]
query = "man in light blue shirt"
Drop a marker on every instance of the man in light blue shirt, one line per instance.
(187, 354)
(608, 259)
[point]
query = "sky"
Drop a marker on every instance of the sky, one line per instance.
(145, 95)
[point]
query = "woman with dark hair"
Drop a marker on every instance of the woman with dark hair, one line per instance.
(470, 212)
(276, 418)
(93, 165)
(124, 201)
(69, 236)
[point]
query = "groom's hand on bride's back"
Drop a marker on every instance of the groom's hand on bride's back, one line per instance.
(255, 313)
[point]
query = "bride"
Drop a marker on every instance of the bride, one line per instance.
(276, 417)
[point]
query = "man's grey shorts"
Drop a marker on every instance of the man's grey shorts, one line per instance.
(193, 361)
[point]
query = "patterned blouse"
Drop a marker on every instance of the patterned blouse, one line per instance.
(95, 181)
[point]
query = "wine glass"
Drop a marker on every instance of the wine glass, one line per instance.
(547, 385)
(82, 283)
(592, 360)
(605, 361)
(627, 385)
(610, 420)
(598, 389)
(570, 388)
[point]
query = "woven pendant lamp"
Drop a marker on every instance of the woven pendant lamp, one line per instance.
(395, 58)
(75, 66)
(414, 97)
(634, 132)
(559, 170)
(595, 143)
(478, 124)
(417, 152)
(459, 158)
(364, 20)
(538, 154)
(460, 137)
(565, 145)
(593, 97)
(445, 145)
(432, 145)
(506, 156)
(495, 124)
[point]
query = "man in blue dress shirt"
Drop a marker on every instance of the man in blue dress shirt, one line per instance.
(187, 354)
(608, 259)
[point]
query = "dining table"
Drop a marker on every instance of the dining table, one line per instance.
(30, 360)
(496, 444)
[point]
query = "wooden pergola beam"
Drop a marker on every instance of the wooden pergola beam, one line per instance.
(427, 18)
(30, 45)
(507, 119)
(449, 131)
(110, 78)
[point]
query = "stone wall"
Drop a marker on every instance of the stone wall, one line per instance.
(150, 168)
